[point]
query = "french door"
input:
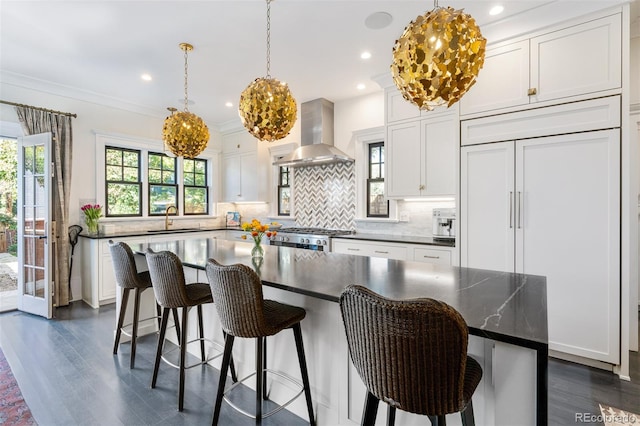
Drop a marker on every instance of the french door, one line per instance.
(34, 225)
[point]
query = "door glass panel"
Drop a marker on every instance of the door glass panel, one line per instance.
(39, 159)
(28, 159)
(29, 228)
(28, 191)
(40, 195)
(29, 284)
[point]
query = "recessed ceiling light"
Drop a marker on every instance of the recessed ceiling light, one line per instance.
(378, 20)
(365, 55)
(496, 10)
(228, 104)
(146, 77)
(361, 86)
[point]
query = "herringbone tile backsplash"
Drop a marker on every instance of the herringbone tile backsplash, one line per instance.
(325, 196)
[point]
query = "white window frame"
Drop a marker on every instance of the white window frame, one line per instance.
(145, 146)
(364, 138)
(275, 153)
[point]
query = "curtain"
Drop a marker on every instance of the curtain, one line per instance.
(36, 121)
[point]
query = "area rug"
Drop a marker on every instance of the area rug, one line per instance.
(13, 410)
(612, 416)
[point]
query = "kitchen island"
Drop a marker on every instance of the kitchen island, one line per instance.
(505, 312)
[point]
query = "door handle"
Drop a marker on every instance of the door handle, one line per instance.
(42, 237)
(510, 209)
(519, 210)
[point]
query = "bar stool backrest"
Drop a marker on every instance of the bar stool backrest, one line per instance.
(124, 266)
(237, 291)
(167, 279)
(410, 354)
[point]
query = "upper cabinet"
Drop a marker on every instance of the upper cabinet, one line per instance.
(243, 177)
(421, 157)
(560, 65)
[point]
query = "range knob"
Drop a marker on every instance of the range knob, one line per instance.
(305, 241)
(320, 242)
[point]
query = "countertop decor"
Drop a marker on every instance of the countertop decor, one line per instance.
(92, 213)
(257, 231)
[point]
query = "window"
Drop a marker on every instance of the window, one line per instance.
(377, 204)
(163, 188)
(196, 191)
(122, 182)
(284, 191)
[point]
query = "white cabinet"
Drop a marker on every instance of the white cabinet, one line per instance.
(391, 250)
(421, 157)
(98, 277)
(551, 206)
(578, 60)
(243, 177)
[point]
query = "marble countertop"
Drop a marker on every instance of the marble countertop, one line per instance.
(502, 306)
(147, 233)
(410, 239)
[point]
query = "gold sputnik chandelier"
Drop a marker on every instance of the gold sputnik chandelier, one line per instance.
(184, 133)
(267, 108)
(438, 57)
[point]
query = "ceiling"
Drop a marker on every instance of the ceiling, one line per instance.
(99, 49)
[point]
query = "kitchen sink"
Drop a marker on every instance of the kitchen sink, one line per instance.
(168, 231)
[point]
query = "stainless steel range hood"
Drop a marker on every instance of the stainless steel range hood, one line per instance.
(316, 148)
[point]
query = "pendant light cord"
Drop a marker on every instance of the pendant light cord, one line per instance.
(186, 84)
(268, 38)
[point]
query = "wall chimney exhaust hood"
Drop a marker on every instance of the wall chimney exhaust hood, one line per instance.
(316, 148)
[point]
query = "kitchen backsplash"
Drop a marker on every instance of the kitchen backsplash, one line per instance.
(324, 196)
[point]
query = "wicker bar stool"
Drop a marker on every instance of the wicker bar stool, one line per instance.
(128, 278)
(410, 354)
(244, 313)
(172, 292)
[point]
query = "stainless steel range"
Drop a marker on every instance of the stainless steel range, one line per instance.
(307, 238)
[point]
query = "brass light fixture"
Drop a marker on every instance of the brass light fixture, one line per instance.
(184, 133)
(438, 57)
(267, 108)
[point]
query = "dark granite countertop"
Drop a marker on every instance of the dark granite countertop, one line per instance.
(408, 239)
(503, 306)
(147, 233)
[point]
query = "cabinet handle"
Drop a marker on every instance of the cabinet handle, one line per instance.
(532, 91)
(519, 210)
(381, 252)
(421, 187)
(352, 249)
(431, 257)
(510, 209)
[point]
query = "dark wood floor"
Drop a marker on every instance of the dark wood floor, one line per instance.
(68, 376)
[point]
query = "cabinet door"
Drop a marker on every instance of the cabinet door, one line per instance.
(568, 229)
(429, 255)
(231, 170)
(502, 82)
(404, 160)
(585, 58)
(486, 206)
(248, 177)
(398, 108)
(440, 141)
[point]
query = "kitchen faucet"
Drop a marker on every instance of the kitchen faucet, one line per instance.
(168, 222)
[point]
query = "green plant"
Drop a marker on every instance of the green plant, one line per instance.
(13, 249)
(8, 221)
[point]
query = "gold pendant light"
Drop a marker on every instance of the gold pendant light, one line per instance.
(438, 57)
(184, 133)
(267, 108)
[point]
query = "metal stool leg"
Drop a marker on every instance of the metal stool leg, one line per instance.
(183, 353)
(226, 357)
(391, 415)
(163, 329)
(201, 331)
(264, 368)
(259, 377)
(134, 331)
(176, 322)
(297, 332)
(370, 410)
(467, 415)
(123, 311)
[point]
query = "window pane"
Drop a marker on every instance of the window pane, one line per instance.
(188, 165)
(382, 154)
(188, 179)
(155, 176)
(195, 200)
(114, 157)
(130, 174)
(155, 161)
(375, 155)
(168, 163)
(130, 158)
(375, 171)
(114, 173)
(378, 206)
(161, 197)
(284, 201)
(201, 166)
(123, 199)
(168, 177)
(201, 180)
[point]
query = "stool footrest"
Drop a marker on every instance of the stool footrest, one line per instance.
(275, 410)
(162, 357)
(129, 334)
